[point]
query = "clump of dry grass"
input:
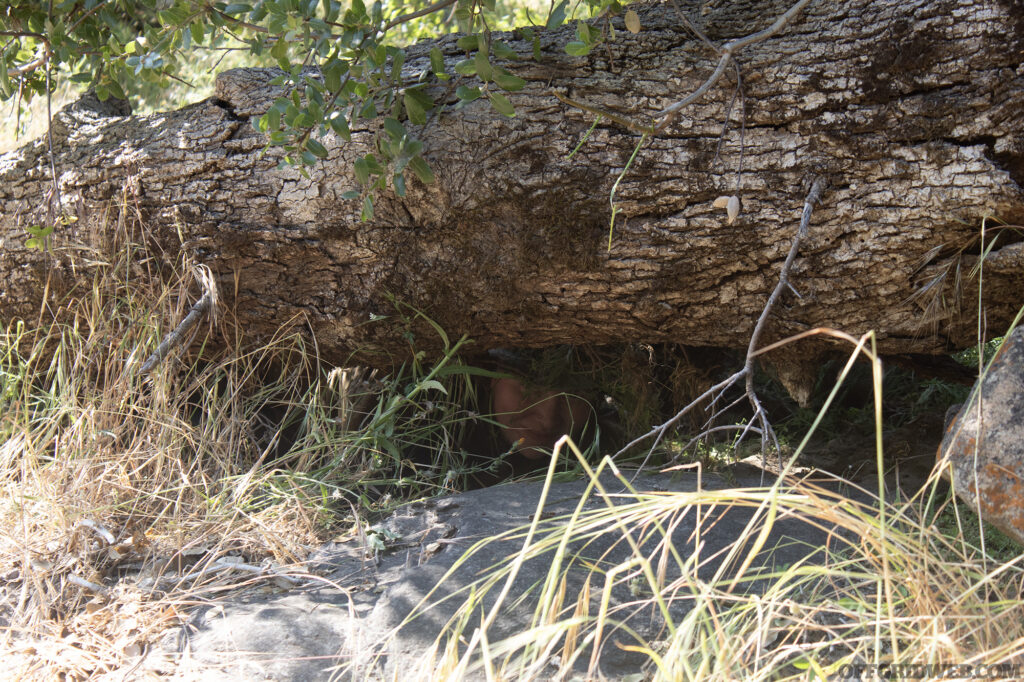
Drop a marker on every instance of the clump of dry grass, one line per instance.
(105, 471)
(126, 496)
(898, 592)
(894, 590)
(126, 499)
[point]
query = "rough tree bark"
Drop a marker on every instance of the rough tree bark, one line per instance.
(913, 109)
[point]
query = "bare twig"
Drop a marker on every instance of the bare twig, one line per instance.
(640, 128)
(49, 140)
(107, 536)
(747, 373)
(726, 427)
(817, 185)
(659, 431)
(14, 72)
(429, 9)
(177, 335)
(693, 28)
(87, 584)
(759, 414)
(728, 51)
(240, 22)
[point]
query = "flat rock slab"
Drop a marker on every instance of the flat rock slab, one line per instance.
(350, 621)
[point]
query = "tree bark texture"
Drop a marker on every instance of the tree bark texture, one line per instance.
(912, 109)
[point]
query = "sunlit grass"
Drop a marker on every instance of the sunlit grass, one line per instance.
(264, 453)
(903, 592)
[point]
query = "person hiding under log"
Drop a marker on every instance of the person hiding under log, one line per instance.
(533, 419)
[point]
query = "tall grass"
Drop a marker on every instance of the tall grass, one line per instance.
(893, 592)
(263, 453)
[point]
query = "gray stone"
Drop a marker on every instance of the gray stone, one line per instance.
(353, 616)
(984, 443)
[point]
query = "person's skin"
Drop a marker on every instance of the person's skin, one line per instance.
(533, 421)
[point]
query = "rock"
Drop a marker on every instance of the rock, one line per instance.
(354, 615)
(984, 442)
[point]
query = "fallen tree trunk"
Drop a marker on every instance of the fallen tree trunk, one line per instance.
(913, 111)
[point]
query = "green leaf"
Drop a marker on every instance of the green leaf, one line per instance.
(507, 81)
(367, 213)
(467, 67)
(339, 124)
(468, 43)
(412, 108)
(308, 158)
(333, 71)
(557, 16)
(394, 129)
(436, 62)
(40, 231)
(237, 8)
(501, 104)
(5, 82)
(304, 120)
(483, 66)
(369, 110)
(422, 170)
(115, 90)
(316, 148)
(362, 171)
(417, 104)
(279, 50)
(373, 165)
(467, 94)
(433, 384)
(584, 32)
(503, 51)
(398, 180)
(577, 49)
(397, 60)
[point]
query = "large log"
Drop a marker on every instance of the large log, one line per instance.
(913, 110)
